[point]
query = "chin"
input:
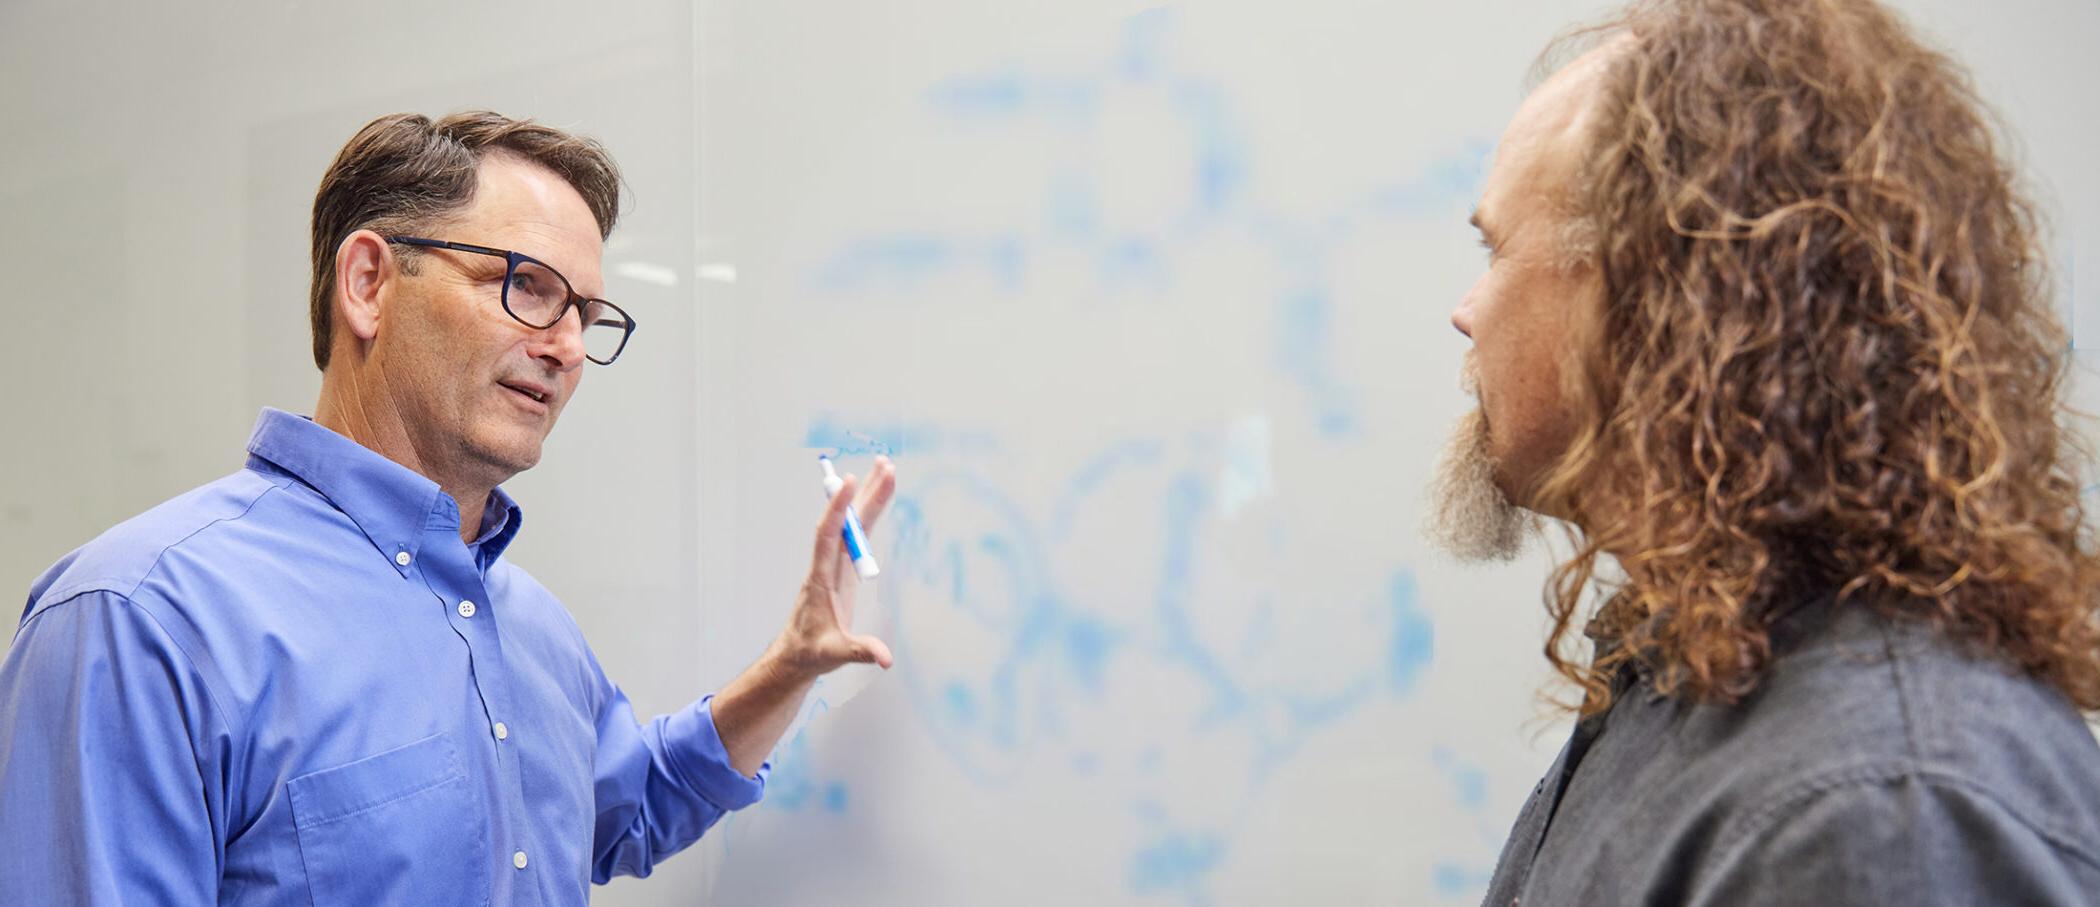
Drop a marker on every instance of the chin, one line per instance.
(523, 460)
(1471, 516)
(509, 453)
(521, 454)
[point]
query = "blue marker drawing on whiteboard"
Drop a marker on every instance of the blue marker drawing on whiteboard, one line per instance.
(856, 541)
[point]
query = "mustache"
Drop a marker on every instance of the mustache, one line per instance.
(1469, 375)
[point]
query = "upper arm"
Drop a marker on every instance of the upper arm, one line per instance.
(1888, 838)
(107, 782)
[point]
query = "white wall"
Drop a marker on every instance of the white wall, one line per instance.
(1149, 301)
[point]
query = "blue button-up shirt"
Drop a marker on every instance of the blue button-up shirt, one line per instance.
(296, 685)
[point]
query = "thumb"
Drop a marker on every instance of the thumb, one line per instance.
(868, 649)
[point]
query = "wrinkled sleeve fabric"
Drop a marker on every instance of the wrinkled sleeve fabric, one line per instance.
(110, 792)
(1903, 839)
(660, 786)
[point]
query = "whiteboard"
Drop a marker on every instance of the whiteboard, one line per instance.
(1148, 302)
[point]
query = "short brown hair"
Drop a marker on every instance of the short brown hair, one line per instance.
(403, 171)
(1830, 361)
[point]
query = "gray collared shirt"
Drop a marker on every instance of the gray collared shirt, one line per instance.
(1876, 763)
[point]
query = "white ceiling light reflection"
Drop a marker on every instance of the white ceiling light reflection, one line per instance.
(647, 273)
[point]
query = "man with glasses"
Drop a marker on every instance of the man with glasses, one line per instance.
(317, 680)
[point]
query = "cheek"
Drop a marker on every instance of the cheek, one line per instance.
(570, 382)
(413, 343)
(460, 363)
(1518, 392)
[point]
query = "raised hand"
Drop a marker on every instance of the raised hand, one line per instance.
(819, 637)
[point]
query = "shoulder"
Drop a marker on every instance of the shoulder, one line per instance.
(1894, 833)
(124, 558)
(1894, 691)
(1879, 736)
(1873, 688)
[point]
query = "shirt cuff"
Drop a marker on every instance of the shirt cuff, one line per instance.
(696, 749)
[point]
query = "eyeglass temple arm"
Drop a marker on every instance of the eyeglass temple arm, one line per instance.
(446, 244)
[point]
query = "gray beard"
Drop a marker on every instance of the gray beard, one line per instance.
(1469, 517)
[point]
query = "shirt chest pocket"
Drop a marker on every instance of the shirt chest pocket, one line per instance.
(401, 827)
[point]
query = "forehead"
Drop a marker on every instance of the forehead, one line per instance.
(524, 206)
(1542, 146)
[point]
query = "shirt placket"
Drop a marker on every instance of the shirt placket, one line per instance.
(460, 586)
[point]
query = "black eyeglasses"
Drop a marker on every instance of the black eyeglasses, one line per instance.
(537, 296)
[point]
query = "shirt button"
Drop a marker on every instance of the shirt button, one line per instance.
(518, 859)
(502, 733)
(403, 558)
(466, 608)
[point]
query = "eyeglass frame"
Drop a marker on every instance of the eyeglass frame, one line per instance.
(510, 268)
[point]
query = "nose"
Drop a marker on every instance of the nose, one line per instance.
(561, 343)
(1462, 316)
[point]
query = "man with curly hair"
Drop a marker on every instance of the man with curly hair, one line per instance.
(1765, 327)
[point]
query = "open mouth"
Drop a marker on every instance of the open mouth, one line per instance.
(527, 393)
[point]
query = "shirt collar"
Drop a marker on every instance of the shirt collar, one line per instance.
(392, 504)
(499, 524)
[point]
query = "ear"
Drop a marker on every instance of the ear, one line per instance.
(364, 263)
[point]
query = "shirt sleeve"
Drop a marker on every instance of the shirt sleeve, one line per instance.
(104, 797)
(1902, 839)
(660, 786)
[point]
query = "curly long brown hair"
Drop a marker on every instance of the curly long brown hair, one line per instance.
(1829, 365)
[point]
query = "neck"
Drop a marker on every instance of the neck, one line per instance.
(359, 408)
(469, 514)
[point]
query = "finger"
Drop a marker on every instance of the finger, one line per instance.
(845, 580)
(869, 650)
(826, 558)
(875, 498)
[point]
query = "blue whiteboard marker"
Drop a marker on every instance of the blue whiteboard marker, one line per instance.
(856, 541)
